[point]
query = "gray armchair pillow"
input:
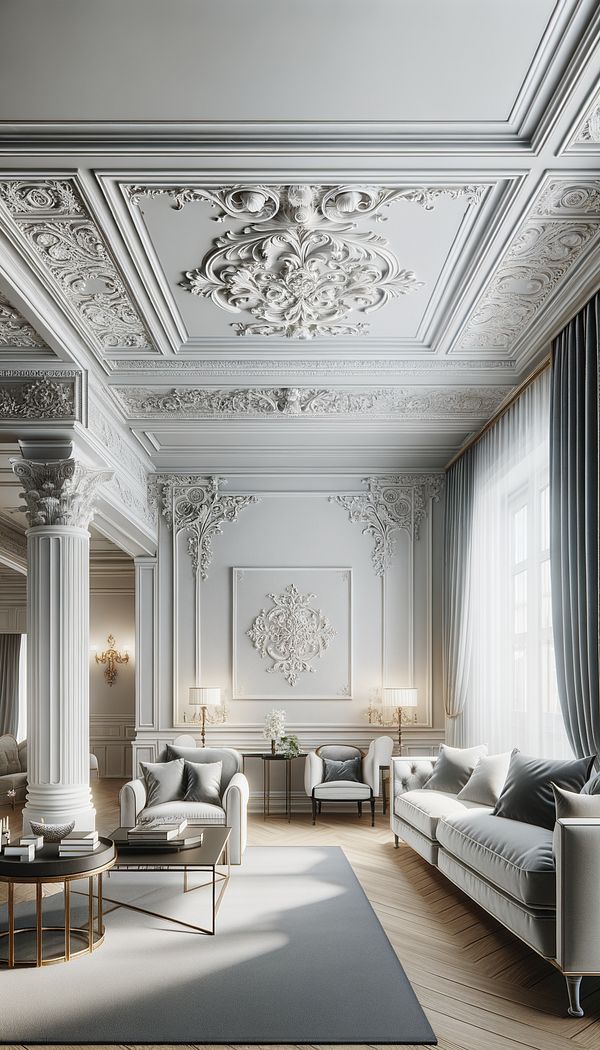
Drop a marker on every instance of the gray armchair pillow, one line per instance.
(164, 781)
(528, 794)
(348, 769)
(203, 782)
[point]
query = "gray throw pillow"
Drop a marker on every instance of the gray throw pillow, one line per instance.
(528, 795)
(575, 804)
(349, 769)
(203, 782)
(593, 785)
(487, 780)
(454, 767)
(164, 781)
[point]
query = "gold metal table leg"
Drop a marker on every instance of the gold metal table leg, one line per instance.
(67, 893)
(38, 924)
(91, 913)
(11, 925)
(100, 917)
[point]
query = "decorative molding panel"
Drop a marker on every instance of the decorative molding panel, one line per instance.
(194, 504)
(110, 741)
(562, 225)
(51, 216)
(291, 633)
(257, 368)
(62, 492)
(15, 331)
(301, 265)
(397, 501)
(48, 396)
(410, 403)
(588, 133)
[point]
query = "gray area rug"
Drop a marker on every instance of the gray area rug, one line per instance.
(299, 957)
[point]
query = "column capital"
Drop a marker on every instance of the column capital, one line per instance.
(59, 492)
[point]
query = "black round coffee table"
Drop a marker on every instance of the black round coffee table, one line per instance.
(41, 945)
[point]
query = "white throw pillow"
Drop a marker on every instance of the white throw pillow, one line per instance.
(454, 767)
(487, 780)
(574, 804)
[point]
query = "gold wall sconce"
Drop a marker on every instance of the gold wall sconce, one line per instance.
(111, 657)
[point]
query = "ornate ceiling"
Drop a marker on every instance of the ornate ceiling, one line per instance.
(215, 261)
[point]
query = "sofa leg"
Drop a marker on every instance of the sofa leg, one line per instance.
(372, 812)
(314, 809)
(573, 987)
(396, 842)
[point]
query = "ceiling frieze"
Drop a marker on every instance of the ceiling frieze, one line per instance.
(563, 224)
(15, 331)
(53, 219)
(330, 367)
(301, 266)
(39, 399)
(259, 402)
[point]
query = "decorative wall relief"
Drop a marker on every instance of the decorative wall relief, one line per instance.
(291, 633)
(195, 504)
(301, 266)
(393, 502)
(61, 492)
(15, 331)
(52, 399)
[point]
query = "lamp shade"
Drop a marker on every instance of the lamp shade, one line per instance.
(204, 695)
(399, 696)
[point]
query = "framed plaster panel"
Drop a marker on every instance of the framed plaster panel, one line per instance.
(292, 633)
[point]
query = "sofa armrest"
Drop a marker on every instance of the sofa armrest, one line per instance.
(132, 799)
(235, 803)
(313, 772)
(410, 774)
(577, 852)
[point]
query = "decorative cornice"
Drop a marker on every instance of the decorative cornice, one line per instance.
(42, 399)
(56, 224)
(562, 225)
(12, 542)
(15, 331)
(132, 494)
(61, 492)
(258, 368)
(411, 403)
(194, 504)
(392, 502)
(301, 266)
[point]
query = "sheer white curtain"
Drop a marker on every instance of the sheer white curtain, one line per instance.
(511, 698)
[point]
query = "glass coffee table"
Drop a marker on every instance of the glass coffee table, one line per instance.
(209, 857)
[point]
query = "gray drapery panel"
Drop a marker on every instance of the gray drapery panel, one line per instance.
(456, 608)
(574, 524)
(10, 648)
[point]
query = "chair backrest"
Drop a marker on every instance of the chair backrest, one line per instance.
(339, 752)
(231, 759)
(185, 740)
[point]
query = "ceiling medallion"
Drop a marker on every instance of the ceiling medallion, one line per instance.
(301, 266)
(291, 633)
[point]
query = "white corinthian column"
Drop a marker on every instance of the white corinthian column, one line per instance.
(59, 497)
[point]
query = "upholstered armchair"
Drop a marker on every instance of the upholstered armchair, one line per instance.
(231, 811)
(331, 783)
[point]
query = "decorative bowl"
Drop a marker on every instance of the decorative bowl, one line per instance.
(52, 832)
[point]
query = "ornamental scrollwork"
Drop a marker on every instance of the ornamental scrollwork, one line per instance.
(393, 502)
(42, 399)
(15, 330)
(301, 265)
(194, 504)
(291, 633)
(589, 132)
(60, 492)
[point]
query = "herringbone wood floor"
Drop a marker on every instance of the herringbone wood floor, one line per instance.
(480, 988)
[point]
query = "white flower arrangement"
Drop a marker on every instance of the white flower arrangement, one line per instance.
(274, 724)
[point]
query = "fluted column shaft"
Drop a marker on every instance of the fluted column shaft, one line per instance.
(58, 676)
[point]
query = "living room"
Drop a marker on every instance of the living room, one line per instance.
(299, 555)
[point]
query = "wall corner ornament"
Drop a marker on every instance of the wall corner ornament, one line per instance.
(195, 504)
(392, 502)
(60, 492)
(291, 633)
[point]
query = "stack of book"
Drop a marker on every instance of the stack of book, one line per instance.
(21, 850)
(78, 844)
(159, 833)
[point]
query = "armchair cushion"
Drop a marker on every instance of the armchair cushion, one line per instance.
(232, 762)
(193, 812)
(203, 782)
(342, 790)
(346, 769)
(164, 781)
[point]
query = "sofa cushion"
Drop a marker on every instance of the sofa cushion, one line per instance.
(575, 804)
(454, 767)
(193, 812)
(423, 808)
(342, 790)
(9, 755)
(487, 780)
(527, 794)
(515, 857)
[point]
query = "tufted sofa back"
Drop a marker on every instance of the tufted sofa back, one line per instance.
(410, 774)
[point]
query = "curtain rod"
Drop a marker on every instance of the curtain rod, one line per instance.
(541, 367)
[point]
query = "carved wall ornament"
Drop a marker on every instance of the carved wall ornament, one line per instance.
(61, 492)
(392, 502)
(15, 331)
(195, 504)
(58, 227)
(291, 633)
(589, 132)
(301, 265)
(40, 399)
(412, 403)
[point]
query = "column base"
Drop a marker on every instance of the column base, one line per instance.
(58, 804)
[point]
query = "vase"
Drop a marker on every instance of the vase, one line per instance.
(273, 747)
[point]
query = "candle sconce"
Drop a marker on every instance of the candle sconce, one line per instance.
(111, 657)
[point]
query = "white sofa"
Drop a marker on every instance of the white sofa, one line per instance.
(232, 811)
(544, 887)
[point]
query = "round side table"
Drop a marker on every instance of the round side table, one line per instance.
(41, 945)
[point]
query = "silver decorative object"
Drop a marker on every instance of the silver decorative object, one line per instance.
(52, 832)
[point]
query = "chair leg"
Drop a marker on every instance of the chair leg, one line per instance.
(319, 804)
(573, 987)
(359, 807)
(372, 812)
(314, 810)
(396, 842)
